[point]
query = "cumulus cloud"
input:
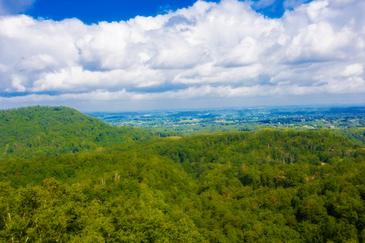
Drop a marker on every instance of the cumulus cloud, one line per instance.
(291, 4)
(209, 50)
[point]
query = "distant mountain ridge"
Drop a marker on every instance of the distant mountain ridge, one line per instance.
(58, 129)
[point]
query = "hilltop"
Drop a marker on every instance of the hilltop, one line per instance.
(54, 130)
(71, 178)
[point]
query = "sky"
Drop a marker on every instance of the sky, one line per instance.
(141, 55)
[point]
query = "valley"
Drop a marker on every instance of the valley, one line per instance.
(67, 177)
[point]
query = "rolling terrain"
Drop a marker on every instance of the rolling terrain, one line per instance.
(52, 130)
(66, 177)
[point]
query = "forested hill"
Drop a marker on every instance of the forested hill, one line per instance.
(54, 130)
(93, 183)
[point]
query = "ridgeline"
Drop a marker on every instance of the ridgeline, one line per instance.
(55, 130)
(66, 177)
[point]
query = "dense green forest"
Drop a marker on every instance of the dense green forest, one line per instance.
(66, 177)
(54, 130)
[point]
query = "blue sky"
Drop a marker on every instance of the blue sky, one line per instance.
(106, 10)
(132, 55)
(92, 11)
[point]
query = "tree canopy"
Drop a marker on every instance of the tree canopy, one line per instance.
(268, 185)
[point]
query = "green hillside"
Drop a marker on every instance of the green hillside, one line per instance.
(55, 130)
(269, 185)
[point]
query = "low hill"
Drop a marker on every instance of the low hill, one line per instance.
(53, 130)
(269, 185)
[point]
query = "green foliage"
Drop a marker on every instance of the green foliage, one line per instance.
(55, 130)
(270, 185)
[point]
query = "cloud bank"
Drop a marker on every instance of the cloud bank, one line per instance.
(207, 52)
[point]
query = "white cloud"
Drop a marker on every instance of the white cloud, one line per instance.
(210, 50)
(291, 4)
(354, 70)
